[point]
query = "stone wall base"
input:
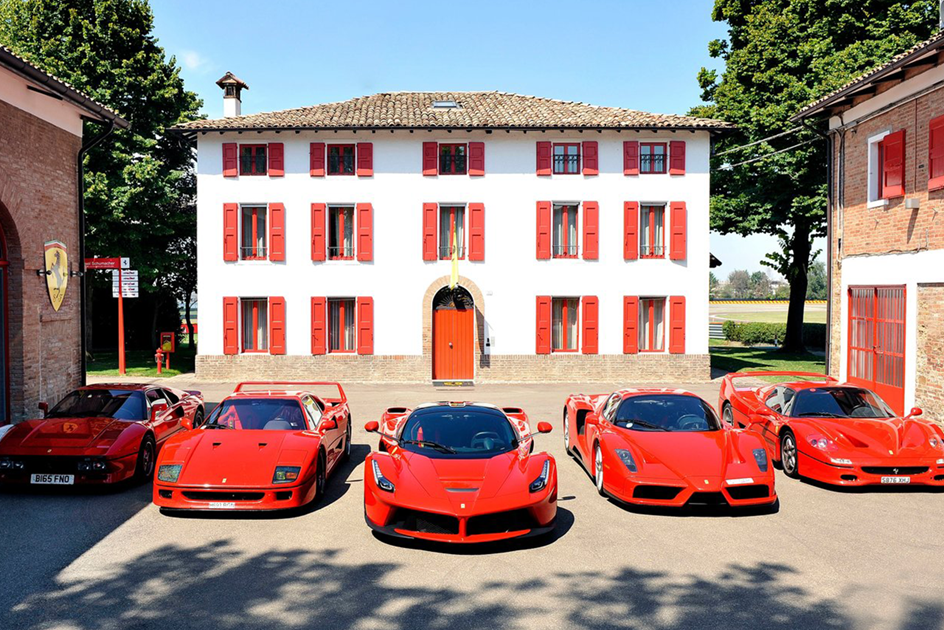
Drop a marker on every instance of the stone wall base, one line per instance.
(559, 368)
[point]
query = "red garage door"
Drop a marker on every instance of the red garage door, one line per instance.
(877, 342)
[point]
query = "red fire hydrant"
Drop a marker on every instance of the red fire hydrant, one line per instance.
(159, 357)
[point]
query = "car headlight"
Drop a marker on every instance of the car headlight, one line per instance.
(627, 458)
(541, 482)
(841, 461)
(382, 482)
(169, 472)
(760, 456)
(286, 474)
(92, 465)
(823, 444)
(12, 464)
(935, 443)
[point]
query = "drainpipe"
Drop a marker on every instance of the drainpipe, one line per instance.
(81, 209)
(829, 232)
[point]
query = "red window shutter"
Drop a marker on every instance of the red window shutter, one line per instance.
(365, 159)
(544, 158)
(430, 212)
(630, 325)
(477, 158)
(591, 230)
(630, 230)
(893, 165)
(276, 231)
(230, 232)
(318, 212)
(677, 157)
(230, 325)
(276, 325)
(591, 317)
(591, 161)
(476, 231)
(543, 337)
(544, 230)
(365, 232)
(319, 325)
(230, 159)
(430, 159)
(276, 154)
(365, 325)
(936, 154)
(677, 325)
(316, 156)
(631, 157)
(678, 238)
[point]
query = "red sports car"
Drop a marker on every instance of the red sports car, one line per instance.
(666, 447)
(459, 472)
(835, 433)
(267, 446)
(98, 434)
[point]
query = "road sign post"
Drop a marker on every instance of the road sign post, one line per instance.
(120, 270)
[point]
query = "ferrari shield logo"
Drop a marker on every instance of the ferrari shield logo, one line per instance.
(69, 427)
(57, 272)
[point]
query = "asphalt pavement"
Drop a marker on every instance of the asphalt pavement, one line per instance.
(99, 560)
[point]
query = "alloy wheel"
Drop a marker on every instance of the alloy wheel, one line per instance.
(598, 469)
(788, 455)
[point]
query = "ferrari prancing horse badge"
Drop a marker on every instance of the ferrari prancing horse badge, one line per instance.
(57, 272)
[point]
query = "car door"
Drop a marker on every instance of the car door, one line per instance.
(766, 422)
(159, 421)
(330, 438)
(176, 411)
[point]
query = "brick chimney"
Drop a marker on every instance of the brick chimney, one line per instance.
(232, 94)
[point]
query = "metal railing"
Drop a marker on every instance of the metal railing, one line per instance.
(445, 251)
(452, 164)
(652, 251)
(652, 163)
(341, 252)
(249, 253)
(564, 251)
(566, 163)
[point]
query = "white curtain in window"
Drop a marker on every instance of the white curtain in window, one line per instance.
(260, 231)
(571, 324)
(348, 232)
(644, 231)
(557, 325)
(249, 337)
(659, 323)
(658, 241)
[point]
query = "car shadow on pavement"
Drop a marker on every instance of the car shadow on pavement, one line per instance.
(565, 520)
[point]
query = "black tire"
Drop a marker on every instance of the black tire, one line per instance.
(346, 455)
(147, 459)
(566, 432)
(598, 469)
(321, 478)
(198, 417)
(789, 456)
(727, 413)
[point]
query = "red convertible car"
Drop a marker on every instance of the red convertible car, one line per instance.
(97, 434)
(459, 472)
(835, 433)
(666, 447)
(267, 446)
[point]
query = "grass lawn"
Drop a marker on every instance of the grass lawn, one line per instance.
(138, 363)
(737, 358)
(774, 314)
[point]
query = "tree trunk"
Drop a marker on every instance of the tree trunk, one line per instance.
(797, 275)
(187, 318)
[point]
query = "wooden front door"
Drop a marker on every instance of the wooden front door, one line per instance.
(876, 342)
(453, 335)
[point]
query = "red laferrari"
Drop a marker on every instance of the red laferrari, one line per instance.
(98, 434)
(267, 446)
(459, 472)
(835, 433)
(666, 447)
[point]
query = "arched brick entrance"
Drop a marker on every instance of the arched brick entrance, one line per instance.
(9, 290)
(479, 328)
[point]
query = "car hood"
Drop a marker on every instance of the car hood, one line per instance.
(702, 454)
(64, 434)
(238, 458)
(879, 438)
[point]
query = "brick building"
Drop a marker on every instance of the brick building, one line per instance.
(326, 235)
(886, 228)
(41, 122)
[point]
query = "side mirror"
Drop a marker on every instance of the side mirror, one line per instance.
(544, 427)
(329, 425)
(157, 409)
(372, 427)
(916, 411)
(591, 418)
(179, 412)
(187, 424)
(44, 407)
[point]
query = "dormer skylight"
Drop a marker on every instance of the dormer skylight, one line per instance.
(450, 104)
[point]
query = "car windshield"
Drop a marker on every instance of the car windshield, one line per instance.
(666, 412)
(458, 432)
(269, 414)
(838, 402)
(120, 404)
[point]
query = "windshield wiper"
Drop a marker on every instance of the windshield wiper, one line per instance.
(820, 414)
(647, 425)
(434, 445)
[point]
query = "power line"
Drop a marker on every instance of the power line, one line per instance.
(764, 157)
(744, 146)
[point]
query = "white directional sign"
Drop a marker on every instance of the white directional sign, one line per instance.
(129, 282)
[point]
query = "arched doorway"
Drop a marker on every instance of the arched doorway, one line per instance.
(4, 350)
(453, 335)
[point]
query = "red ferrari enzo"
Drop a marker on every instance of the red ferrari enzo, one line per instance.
(666, 447)
(97, 434)
(459, 472)
(835, 433)
(267, 446)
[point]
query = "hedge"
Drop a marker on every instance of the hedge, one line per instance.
(756, 333)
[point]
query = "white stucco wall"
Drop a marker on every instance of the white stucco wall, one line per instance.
(397, 279)
(62, 114)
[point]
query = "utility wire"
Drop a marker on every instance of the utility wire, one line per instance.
(744, 146)
(764, 157)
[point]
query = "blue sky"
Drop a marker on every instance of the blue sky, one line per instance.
(629, 53)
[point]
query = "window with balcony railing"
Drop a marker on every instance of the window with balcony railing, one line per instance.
(652, 157)
(341, 159)
(566, 158)
(651, 324)
(255, 325)
(451, 231)
(564, 239)
(253, 227)
(453, 159)
(564, 324)
(652, 231)
(341, 232)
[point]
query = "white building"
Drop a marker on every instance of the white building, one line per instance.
(325, 238)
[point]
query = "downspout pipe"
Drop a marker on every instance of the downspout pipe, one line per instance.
(829, 236)
(86, 147)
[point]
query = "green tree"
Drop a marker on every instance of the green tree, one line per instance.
(818, 282)
(779, 56)
(139, 185)
(739, 281)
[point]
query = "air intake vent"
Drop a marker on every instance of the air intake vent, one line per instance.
(655, 493)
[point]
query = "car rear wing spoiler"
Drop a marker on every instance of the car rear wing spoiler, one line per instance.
(195, 392)
(807, 376)
(294, 385)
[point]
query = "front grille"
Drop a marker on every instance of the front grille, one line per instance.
(656, 493)
(209, 495)
(425, 522)
(707, 498)
(51, 464)
(891, 470)
(165, 494)
(742, 493)
(500, 523)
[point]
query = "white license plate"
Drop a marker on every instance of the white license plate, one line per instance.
(222, 505)
(896, 479)
(54, 480)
